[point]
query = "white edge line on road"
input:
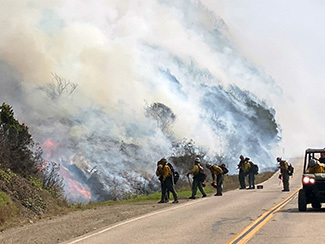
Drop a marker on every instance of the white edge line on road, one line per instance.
(132, 220)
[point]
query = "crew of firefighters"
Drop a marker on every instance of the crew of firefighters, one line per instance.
(247, 169)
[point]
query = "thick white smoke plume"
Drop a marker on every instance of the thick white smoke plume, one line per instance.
(82, 75)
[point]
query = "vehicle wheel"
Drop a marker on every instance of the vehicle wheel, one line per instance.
(316, 204)
(302, 203)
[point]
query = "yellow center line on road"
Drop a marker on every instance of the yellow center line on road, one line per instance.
(253, 228)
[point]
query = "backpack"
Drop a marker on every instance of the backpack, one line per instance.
(290, 170)
(254, 168)
(201, 176)
(224, 169)
(174, 173)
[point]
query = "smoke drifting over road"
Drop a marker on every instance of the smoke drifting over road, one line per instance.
(82, 76)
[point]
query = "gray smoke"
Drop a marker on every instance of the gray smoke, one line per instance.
(83, 83)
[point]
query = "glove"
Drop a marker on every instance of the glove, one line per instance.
(187, 174)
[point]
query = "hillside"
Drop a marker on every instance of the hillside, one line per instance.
(30, 187)
(32, 198)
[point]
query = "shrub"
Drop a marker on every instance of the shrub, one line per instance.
(16, 145)
(19, 153)
(7, 208)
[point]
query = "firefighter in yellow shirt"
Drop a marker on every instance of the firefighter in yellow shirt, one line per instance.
(217, 177)
(315, 167)
(165, 176)
(283, 165)
(198, 178)
(241, 174)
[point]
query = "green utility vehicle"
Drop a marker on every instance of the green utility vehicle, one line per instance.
(313, 180)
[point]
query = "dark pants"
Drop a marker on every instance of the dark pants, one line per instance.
(241, 177)
(251, 180)
(220, 178)
(285, 180)
(168, 185)
(167, 191)
(197, 184)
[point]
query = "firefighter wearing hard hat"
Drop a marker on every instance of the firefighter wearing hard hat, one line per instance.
(198, 178)
(217, 178)
(165, 176)
(283, 166)
(241, 174)
(315, 167)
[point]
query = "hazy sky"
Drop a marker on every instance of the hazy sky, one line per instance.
(286, 39)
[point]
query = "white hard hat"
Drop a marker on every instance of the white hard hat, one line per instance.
(312, 163)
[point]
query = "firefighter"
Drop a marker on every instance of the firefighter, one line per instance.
(283, 166)
(252, 171)
(322, 158)
(315, 167)
(217, 177)
(198, 178)
(165, 175)
(241, 174)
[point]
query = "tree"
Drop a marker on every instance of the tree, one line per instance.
(163, 115)
(58, 87)
(16, 144)
(20, 154)
(184, 153)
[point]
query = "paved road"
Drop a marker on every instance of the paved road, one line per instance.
(289, 226)
(208, 220)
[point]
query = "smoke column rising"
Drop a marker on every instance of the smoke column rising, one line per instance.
(123, 57)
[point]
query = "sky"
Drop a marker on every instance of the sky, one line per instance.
(285, 39)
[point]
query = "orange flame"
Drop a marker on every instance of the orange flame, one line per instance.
(49, 145)
(74, 187)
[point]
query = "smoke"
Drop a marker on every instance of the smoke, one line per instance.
(285, 40)
(82, 76)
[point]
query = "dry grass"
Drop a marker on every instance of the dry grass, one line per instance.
(8, 209)
(231, 181)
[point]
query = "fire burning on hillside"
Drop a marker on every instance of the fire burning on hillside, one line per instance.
(48, 146)
(73, 188)
(137, 90)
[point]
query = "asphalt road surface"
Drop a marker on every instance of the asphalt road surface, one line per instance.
(218, 219)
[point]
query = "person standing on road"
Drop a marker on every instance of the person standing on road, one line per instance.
(241, 174)
(165, 174)
(252, 171)
(198, 178)
(217, 177)
(159, 173)
(283, 165)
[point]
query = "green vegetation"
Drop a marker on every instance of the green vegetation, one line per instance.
(29, 186)
(7, 208)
